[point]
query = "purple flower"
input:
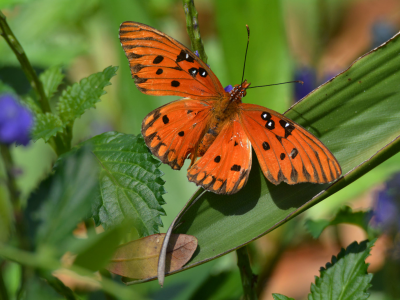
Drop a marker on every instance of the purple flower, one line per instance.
(197, 53)
(16, 121)
(387, 206)
(309, 77)
(228, 88)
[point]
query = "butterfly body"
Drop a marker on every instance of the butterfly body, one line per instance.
(211, 126)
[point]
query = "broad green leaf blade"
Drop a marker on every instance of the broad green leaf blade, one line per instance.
(46, 126)
(131, 187)
(344, 215)
(223, 285)
(281, 297)
(51, 79)
(63, 200)
(79, 97)
(355, 115)
(346, 278)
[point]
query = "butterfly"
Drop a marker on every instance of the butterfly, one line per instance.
(211, 126)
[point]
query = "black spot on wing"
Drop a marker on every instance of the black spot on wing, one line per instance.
(282, 156)
(287, 126)
(165, 119)
(181, 133)
(158, 59)
(193, 72)
(159, 71)
(203, 72)
(294, 153)
(175, 83)
(265, 116)
(270, 124)
(217, 159)
(184, 56)
(235, 168)
(266, 146)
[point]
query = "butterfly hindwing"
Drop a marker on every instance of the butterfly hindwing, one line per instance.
(286, 151)
(161, 65)
(172, 131)
(225, 167)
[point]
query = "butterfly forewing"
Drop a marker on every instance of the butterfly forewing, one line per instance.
(285, 150)
(161, 65)
(225, 167)
(173, 130)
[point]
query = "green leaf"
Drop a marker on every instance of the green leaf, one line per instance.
(51, 79)
(355, 115)
(344, 215)
(97, 250)
(63, 199)
(31, 104)
(79, 97)
(131, 187)
(224, 285)
(281, 297)
(46, 126)
(346, 277)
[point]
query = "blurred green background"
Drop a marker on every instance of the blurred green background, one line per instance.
(309, 40)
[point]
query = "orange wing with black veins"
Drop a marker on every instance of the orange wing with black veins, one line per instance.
(286, 151)
(173, 130)
(225, 167)
(162, 66)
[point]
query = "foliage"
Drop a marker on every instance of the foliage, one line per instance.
(344, 215)
(345, 277)
(130, 184)
(111, 180)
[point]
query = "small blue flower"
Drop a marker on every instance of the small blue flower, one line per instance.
(387, 206)
(309, 77)
(228, 88)
(16, 121)
(197, 53)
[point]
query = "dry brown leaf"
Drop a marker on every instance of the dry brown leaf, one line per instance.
(138, 259)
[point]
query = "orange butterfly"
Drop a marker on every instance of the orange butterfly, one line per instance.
(213, 124)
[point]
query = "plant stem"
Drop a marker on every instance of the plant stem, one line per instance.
(192, 27)
(5, 31)
(15, 201)
(249, 280)
(30, 73)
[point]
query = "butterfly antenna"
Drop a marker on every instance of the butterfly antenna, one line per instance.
(247, 47)
(296, 81)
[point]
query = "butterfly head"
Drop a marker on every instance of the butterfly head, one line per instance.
(238, 91)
